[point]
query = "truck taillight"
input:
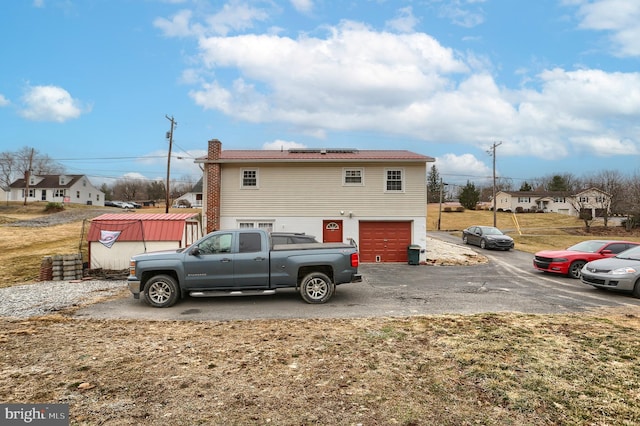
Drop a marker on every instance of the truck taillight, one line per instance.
(132, 268)
(355, 260)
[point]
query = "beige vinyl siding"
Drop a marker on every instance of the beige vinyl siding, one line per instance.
(318, 190)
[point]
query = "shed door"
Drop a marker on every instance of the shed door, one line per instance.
(384, 241)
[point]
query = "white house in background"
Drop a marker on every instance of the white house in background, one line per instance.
(75, 189)
(592, 199)
(192, 198)
(376, 198)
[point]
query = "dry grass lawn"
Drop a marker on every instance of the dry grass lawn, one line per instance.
(487, 369)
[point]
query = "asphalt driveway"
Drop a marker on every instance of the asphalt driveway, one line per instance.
(508, 283)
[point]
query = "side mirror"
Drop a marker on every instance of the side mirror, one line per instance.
(195, 251)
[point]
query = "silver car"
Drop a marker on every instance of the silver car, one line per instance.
(621, 272)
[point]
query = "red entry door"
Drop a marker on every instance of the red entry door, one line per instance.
(331, 231)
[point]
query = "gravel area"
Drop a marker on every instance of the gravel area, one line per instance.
(46, 297)
(61, 218)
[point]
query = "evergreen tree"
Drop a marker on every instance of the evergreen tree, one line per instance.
(433, 185)
(558, 183)
(525, 186)
(469, 196)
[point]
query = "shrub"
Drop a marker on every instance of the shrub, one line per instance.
(54, 207)
(519, 209)
(460, 209)
(447, 209)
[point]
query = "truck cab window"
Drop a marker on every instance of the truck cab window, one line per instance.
(216, 244)
(250, 242)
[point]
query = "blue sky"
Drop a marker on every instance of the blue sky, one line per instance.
(557, 82)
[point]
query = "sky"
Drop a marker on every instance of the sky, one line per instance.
(550, 86)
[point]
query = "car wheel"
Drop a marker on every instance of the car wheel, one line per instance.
(161, 291)
(316, 288)
(483, 244)
(465, 240)
(636, 289)
(575, 268)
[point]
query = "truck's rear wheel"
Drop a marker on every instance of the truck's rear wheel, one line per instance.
(161, 291)
(316, 288)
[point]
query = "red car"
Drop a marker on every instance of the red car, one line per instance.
(570, 261)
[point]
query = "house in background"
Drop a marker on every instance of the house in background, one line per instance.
(76, 189)
(592, 200)
(375, 198)
(192, 198)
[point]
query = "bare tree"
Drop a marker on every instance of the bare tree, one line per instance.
(7, 168)
(129, 189)
(613, 183)
(14, 165)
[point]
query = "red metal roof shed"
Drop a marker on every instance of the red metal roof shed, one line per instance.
(139, 233)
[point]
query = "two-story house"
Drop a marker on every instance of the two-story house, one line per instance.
(376, 199)
(76, 189)
(595, 201)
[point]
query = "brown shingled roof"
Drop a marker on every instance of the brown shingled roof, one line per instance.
(314, 155)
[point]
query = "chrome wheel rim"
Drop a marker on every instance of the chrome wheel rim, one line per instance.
(316, 288)
(159, 292)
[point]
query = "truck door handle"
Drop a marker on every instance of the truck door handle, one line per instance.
(225, 260)
(259, 259)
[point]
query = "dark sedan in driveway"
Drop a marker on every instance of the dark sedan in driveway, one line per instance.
(621, 272)
(487, 237)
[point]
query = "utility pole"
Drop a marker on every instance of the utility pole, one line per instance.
(493, 154)
(440, 208)
(27, 177)
(170, 137)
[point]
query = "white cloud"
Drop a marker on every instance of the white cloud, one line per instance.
(3, 101)
(461, 12)
(302, 6)
(457, 169)
(50, 103)
(618, 17)
(354, 78)
(282, 145)
(234, 16)
(405, 22)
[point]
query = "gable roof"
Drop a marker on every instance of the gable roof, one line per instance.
(317, 155)
(141, 227)
(48, 181)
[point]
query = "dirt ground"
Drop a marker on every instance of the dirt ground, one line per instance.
(487, 369)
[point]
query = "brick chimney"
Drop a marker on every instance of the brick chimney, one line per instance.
(213, 185)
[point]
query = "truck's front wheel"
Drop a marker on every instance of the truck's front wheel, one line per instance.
(161, 291)
(316, 288)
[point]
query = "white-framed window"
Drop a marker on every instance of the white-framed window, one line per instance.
(394, 180)
(267, 226)
(249, 178)
(524, 199)
(58, 192)
(77, 194)
(353, 177)
(600, 199)
(559, 200)
(584, 199)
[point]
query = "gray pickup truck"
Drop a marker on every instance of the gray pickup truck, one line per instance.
(242, 262)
